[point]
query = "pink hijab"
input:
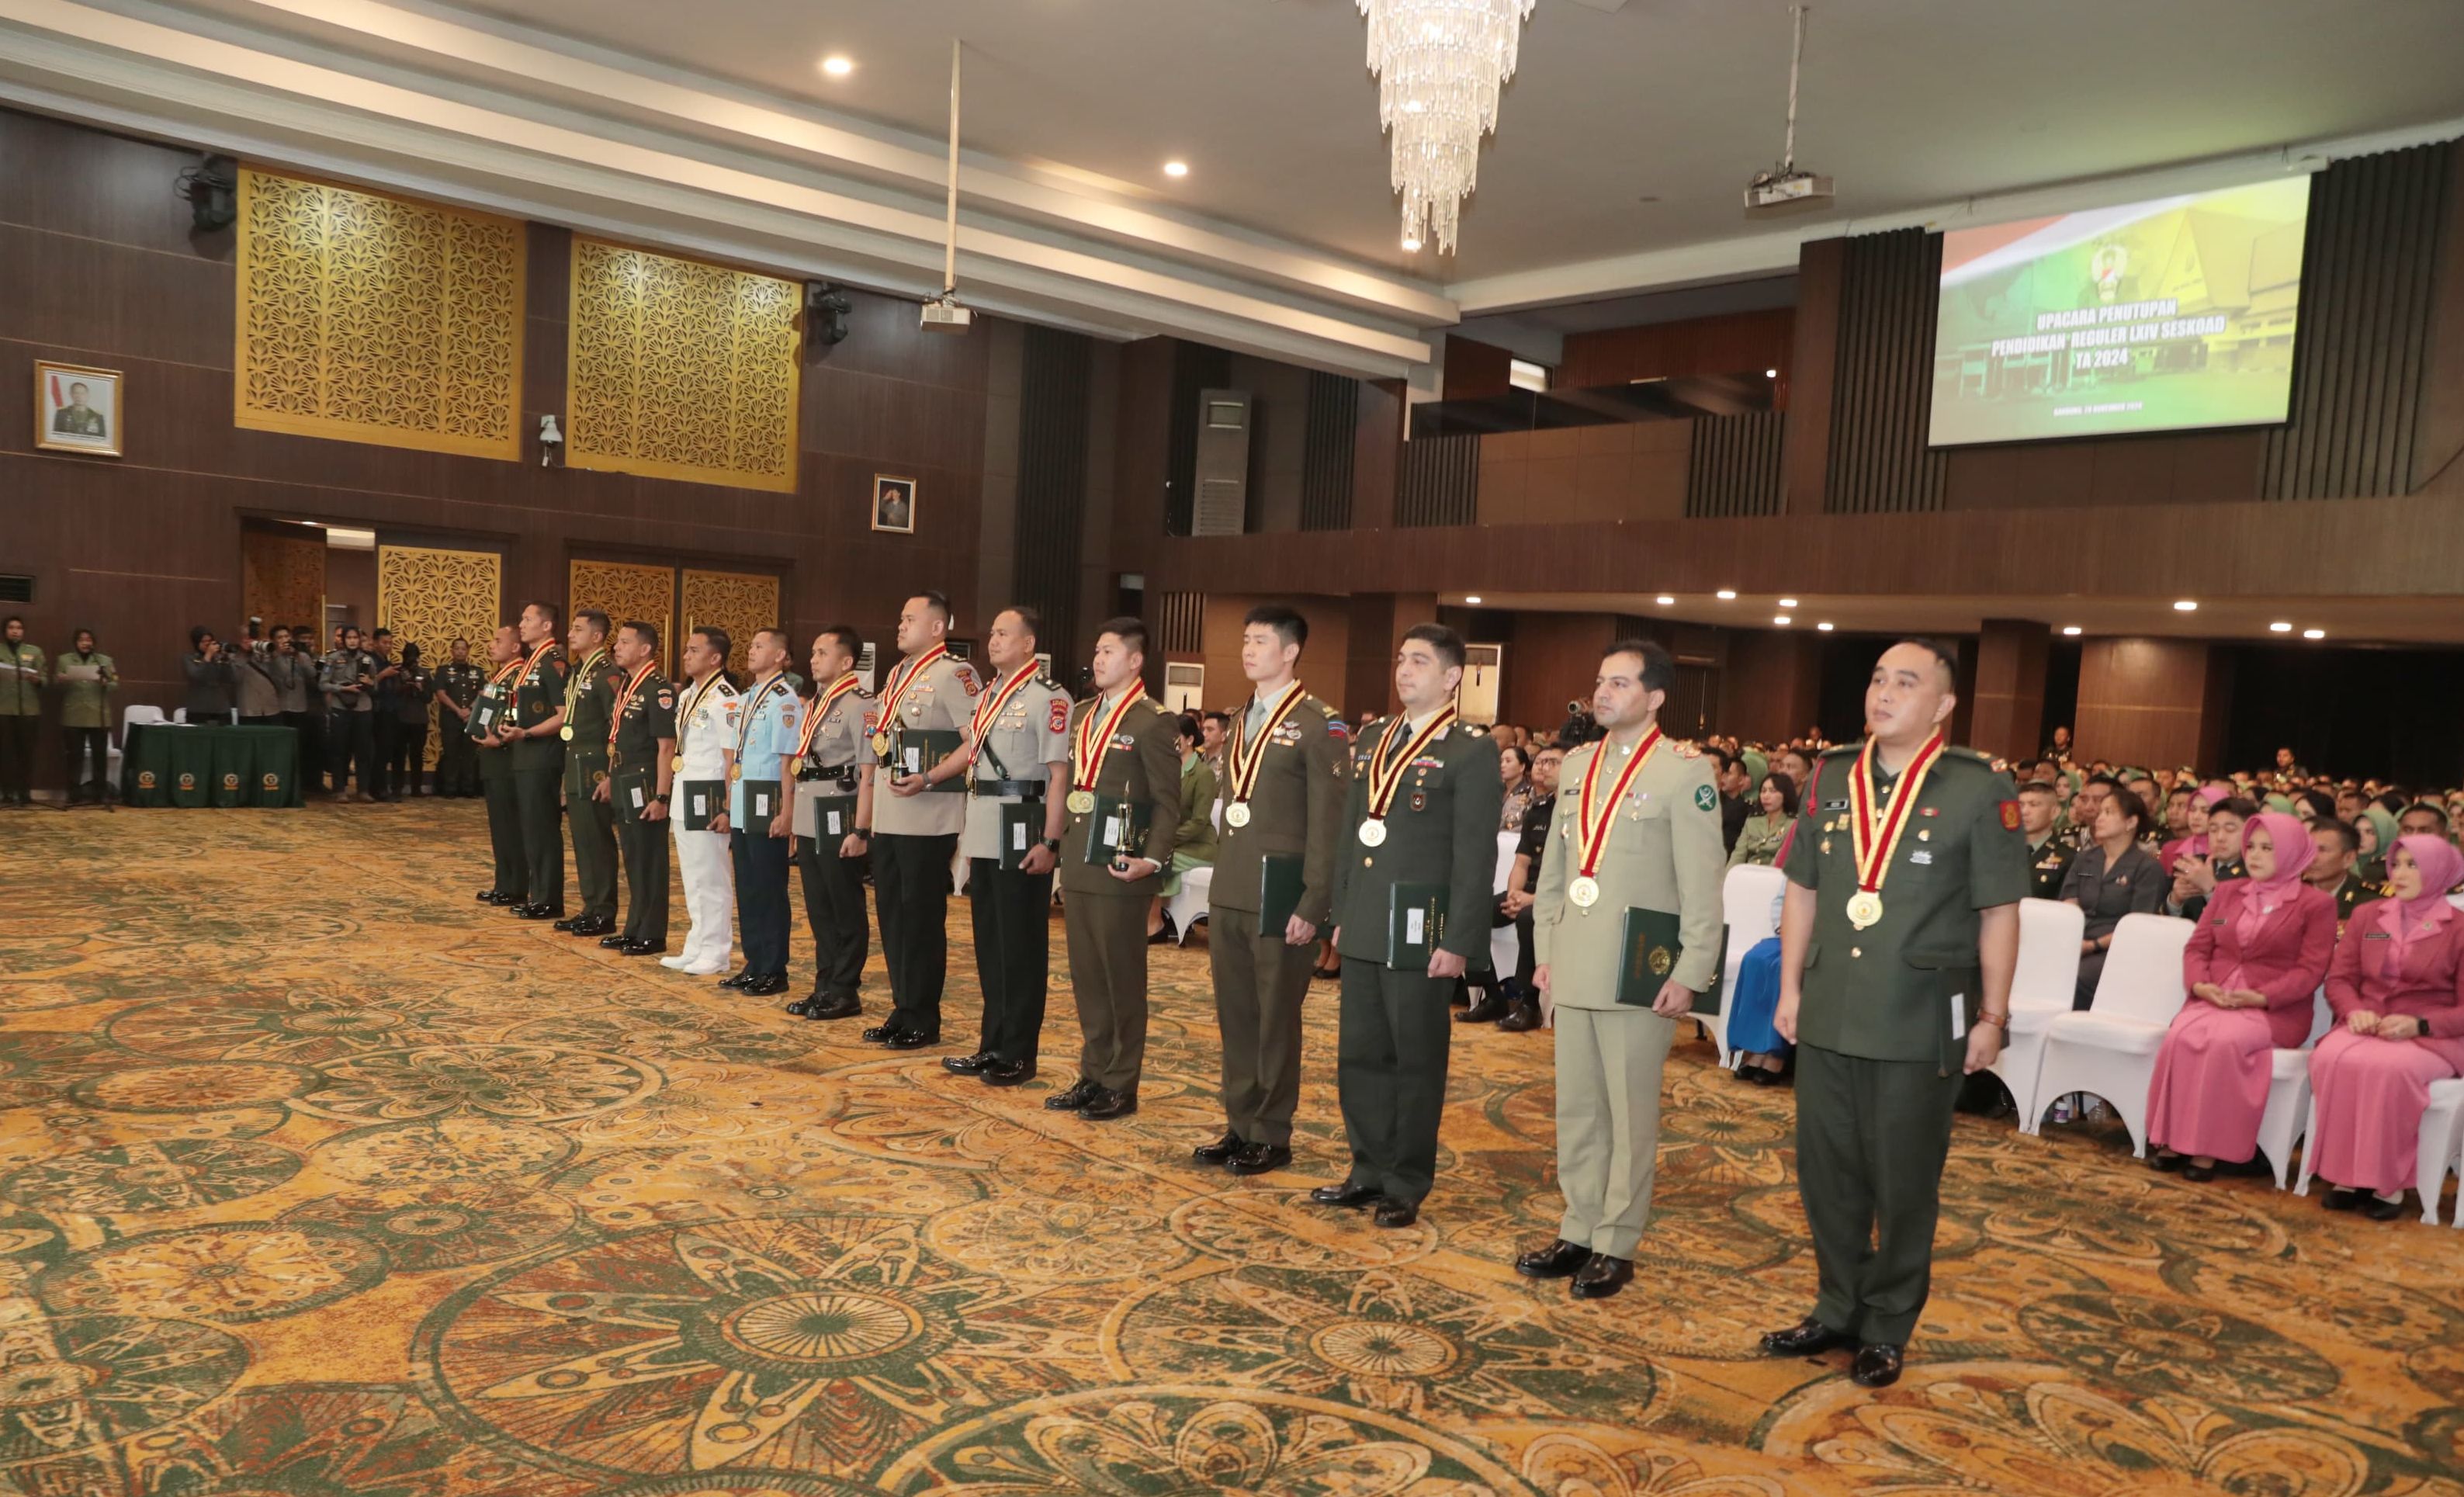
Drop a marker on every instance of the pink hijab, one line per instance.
(2210, 795)
(2441, 868)
(2295, 851)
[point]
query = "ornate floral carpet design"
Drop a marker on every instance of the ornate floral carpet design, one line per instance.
(317, 1179)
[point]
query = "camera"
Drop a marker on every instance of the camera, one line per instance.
(1579, 728)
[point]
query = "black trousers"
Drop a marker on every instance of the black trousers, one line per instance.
(18, 757)
(1390, 1071)
(834, 908)
(505, 836)
(457, 759)
(76, 743)
(354, 751)
(404, 756)
(911, 894)
(310, 726)
(1012, 918)
(647, 853)
(543, 824)
(760, 899)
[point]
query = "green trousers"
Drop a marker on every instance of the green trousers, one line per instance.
(647, 854)
(505, 836)
(1107, 976)
(1259, 984)
(594, 852)
(542, 834)
(1871, 1138)
(1390, 1072)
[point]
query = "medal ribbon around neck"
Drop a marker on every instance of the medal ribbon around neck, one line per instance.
(523, 668)
(579, 681)
(1091, 749)
(989, 710)
(751, 710)
(847, 682)
(1592, 832)
(1248, 759)
(1384, 780)
(1876, 838)
(625, 695)
(894, 692)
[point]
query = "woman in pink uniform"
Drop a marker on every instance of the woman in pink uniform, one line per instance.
(2253, 968)
(2397, 987)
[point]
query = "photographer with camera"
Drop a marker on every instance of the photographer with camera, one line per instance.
(211, 682)
(348, 681)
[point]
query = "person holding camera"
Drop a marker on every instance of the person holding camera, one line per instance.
(210, 681)
(348, 681)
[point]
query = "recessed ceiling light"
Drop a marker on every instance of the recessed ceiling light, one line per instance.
(1728, 595)
(838, 67)
(1664, 600)
(1770, 374)
(2314, 633)
(1411, 244)
(2071, 629)
(2279, 626)
(1787, 603)
(1779, 618)
(1176, 169)
(1824, 626)
(2185, 605)
(1472, 598)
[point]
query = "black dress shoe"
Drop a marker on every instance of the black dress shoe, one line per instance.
(1325, 974)
(874, 1034)
(1601, 1278)
(2340, 1198)
(827, 1005)
(1108, 1104)
(1346, 1194)
(911, 1040)
(766, 987)
(1555, 1261)
(1876, 1366)
(1162, 934)
(614, 942)
(1222, 1150)
(1522, 1017)
(1006, 1074)
(969, 1065)
(1396, 1213)
(500, 898)
(1081, 1091)
(1259, 1158)
(567, 926)
(1487, 1008)
(2382, 1210)
(489, 896)
(591, 925)
(738, 981)
(2166, 1163)
(643, 946)
(1805, 1338)
(539, 913)
(2198, 1174)
(1753, 1077)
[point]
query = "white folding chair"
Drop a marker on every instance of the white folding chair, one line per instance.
(2110, 1049)
(180, 714)
(2047, 980)
(115, 750)
(1751, 896)
(2436, 1154)
(1189, 906)
(2288, 1092)
(1503, 950)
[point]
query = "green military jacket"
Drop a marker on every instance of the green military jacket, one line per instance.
(590, 705)
(1295, 809)
(1907, 988)
(461, 683)
(495, 763)
(648, 716)
(1195, 836)
(2048, 865)
(537, 692)
(1442, 829)
(1663, 853)
(86, 703)
(21, 680)
(1143, 765)
(2351, 896)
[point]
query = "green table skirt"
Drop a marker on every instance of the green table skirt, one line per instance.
(175, 764)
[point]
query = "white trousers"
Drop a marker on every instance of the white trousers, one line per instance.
(710, 896)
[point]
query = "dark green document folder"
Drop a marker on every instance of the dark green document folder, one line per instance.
(1021, 830)
(697, 800)
(1415, 923)
(761, 803)
(833, 818)
(1116, 828)
(1279, 891)
(914, 750)
(1651, 949)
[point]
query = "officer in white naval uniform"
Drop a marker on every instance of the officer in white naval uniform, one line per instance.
(705, 731)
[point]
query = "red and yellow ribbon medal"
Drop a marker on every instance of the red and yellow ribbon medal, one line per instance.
(751, 710)
(896, 692)
(625, 695)
(1592, 832)
(523, 668)
(574, 686)
(1246, 760)
(1877, 837)
(988, 711)
(1094, 745)
(1386, 776)
(846, 683)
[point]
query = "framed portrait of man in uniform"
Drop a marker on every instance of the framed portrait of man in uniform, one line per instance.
(894, 504)
(76, 410)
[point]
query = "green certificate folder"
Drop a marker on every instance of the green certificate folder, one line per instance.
(1117, 828)
(483, 717)
(1651, 949)
(761, 803)
(1021, 830)
(833, 817)
(1279, 891)
(697, 800)
(916, 750)
(1416, 922)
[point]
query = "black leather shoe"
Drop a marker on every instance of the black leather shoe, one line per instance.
(1346, 1194)
(740, 979)
(1555, 1261)
(489, 896)
(766, 987)
(1522, 1017)
(2340, 1198)
(1876, 1366)
(1259, 1158)
(613, 943)
(1396, 1213)
(591, 925)
(1108, 1104)
(1602, 1277)
(566, 926)
(910, 1039)
(874, 1034)
(643, 946)
(1487, 1008)
(1325, 974)
(969, 1065)
(1081, 1091)
(539, 913)
(2166, 1163)
(2198, 1174)
(2382, 1210)
(501, 901)
(1220, 1149)
(1006, 1074)
(1805, 1338)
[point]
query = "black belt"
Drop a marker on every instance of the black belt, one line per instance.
(847, 774)
(1024, 789)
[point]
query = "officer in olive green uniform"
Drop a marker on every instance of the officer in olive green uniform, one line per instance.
(641, 787)
(539, 762)
(1128, 751)
(496, 781)
(86, 679)
(1642, 830)
(2048, 853)
(589, 706)
(1287, 763)
(22, 679)
(1885, 987)
(1437, 824)
(458, 682)
(834, 776)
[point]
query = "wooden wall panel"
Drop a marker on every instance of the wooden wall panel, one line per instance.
(1773, 686)
(1733, 468)
(1741, 343)
(2143, 701)
(1331, 452)
(1475, 370)
(1623, 470)
(2007, 703)
(283, 579)
(1322, 658)
(1883, 378)
(1814, 351)
(1053, 393)
(1440, 484)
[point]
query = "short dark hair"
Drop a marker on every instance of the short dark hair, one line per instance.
(2135, 809)
(2107, 781)
(645, 631)
(2039, 787)
(1028, 618)
(197, 633)
(773, 630)
(1223, 719)
(846, 634)
(2346, 832)
(937, 601)
(15, 618)
(1659, 666)
(596, 618)
(78, 634)
(718, 640)
(285, 628)
(1944, 655)
(382, 632)
(1186, 725)
(1129, 631)
(2240, 806)
(1728, 760)
(2431, 807)
(2318, 802)
(1284, 619)
(1787, 791)
(1448, 643)
(549, 611)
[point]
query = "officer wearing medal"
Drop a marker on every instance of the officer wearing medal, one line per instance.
(758, 831)
(1017, 749)
(494, 747)
(641, 750)
(589, 709)
(1638, 827)
(1898, 939)
(458, 682)
(1125, 753)
(1423, 809)
(916, 821)
(1286, 768)
(706, 713)
(831, 761)
(535, 725)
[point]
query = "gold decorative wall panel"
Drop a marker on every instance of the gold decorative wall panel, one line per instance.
(737, 602)
(678, 369)
(626, 590)
(430, 598)
(376, 318)
(282, 580)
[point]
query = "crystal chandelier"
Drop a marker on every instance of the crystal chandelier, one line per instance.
(1440, 64)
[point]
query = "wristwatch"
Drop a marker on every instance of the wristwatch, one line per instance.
(866, 833)
(1052, 844)
(660, 799)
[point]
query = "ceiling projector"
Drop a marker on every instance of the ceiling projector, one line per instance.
(1784, 189)
(944, 315)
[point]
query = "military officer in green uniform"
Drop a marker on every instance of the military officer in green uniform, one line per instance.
(2049, 856)
(2332, 868)
(533, 727)
(829, 852)
(21, 711)
(1287, 763)
(1125, 759)
(589, 707)
(641, 746)
(1898, 939)
(494, 748)
(1423, 809)
(87, 678)
(458, 755)
(1643, 832)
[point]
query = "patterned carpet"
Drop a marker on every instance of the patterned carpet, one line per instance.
(317, 1179)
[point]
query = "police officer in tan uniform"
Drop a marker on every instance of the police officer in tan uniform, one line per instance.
(916, 821)
(833, 756)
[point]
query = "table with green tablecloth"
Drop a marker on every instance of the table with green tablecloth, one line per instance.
(171, 763)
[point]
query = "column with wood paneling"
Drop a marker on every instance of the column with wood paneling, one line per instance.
(2010, 701)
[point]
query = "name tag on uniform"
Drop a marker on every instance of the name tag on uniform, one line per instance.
(2367, 936)
(1921, 857)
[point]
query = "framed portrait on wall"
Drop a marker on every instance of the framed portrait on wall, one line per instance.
(76, 410)
(894, 504)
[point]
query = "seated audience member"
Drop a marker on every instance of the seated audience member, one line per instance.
(1192, 841)
(2253, 969)
(2376, 828)
(2332, 869)
(2397, 987)
(1774, 812)
(2177, 812)
(2422, 819)
(1522, 885)
(1736, 785)
(210, 683)
(2049, 856)
(2195, 879)
(2112, 876)
(1514, 768)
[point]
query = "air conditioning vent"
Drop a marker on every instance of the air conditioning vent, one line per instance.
(17, 588)
(1222, 466)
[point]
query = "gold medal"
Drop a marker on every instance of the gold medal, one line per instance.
(1237, 814)
(565, 732)
(676, 765)
(1584, 891)
(1091, 744)
(881, 743)
(1864, 908)
(1875, 832)
(1082, 802)
(1373, 833)
(735, 771)
(1387, 765)
(1596, 814)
